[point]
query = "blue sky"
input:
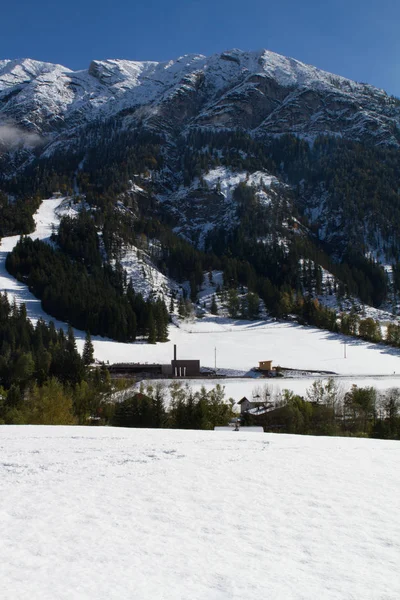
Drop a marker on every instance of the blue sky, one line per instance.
(354, 38)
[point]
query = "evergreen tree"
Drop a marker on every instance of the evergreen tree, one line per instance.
(253, 305)
(152, 331)
(181, 308)
(214, 307)
(233, 303)
(88, 351)
(71, 368)
(162, 319)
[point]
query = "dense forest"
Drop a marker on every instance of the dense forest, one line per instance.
(17, 215)
(43, 378)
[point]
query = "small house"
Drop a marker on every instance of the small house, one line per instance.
(265, 365)
(246, 405)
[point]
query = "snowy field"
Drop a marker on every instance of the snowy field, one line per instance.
(239, 345)
(104, 514)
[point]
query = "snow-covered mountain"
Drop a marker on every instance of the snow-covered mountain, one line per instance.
(259, 91)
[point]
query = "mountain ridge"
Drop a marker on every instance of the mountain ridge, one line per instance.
(42, 96)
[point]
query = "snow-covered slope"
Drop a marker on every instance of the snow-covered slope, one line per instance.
(151, 514)
(147, 280)
(45, 219)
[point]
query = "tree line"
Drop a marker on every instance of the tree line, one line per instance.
(175, 407)
(326, 410)
(43, 378)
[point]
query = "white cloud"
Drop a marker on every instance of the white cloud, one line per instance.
(13, 137)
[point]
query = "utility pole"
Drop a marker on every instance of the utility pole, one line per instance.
(345, 349)
(215, 359)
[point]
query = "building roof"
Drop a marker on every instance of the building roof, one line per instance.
(252, 401)
(244, 399)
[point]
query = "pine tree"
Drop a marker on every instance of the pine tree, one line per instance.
(71, 363)
(88, 351)
(71, 343)
(152, 331)
(253, 305)
(181, 308)
(233, 303)
(161, 320)
(214, 307)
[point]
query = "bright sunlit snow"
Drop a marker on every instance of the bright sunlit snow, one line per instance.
(228, 180)
(119, 514)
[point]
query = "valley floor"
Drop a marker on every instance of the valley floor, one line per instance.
(239, 345)
(103, 514)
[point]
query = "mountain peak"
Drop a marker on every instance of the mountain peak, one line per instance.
(23, 70)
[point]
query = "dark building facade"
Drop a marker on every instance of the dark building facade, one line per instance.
(134, 369)
(185, 368)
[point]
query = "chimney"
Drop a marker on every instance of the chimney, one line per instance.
(174, 351)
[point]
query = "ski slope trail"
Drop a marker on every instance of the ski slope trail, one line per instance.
(115, 514)
(238, 345)
(45, 218)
